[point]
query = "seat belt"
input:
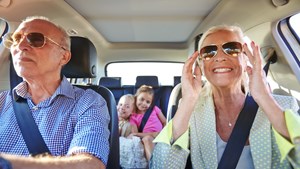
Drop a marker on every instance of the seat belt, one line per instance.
(30, 132)
(145, 118)
(148, 112)
(241, 130)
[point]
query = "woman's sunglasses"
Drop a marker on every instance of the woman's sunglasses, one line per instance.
(35, 39)
(230, 48)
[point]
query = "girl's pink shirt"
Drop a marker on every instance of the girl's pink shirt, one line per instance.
(153, 124)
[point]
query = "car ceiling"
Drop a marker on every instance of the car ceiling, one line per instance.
(144, 21)
(159, 24)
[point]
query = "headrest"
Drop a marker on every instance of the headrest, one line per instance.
(147, 80)
(110, 82)
(177, 79)
(83, 61)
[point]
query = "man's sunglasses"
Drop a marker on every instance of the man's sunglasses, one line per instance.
(230, 48)
(35, 39)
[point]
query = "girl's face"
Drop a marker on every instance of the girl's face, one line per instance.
(143, 101)
(125, 107)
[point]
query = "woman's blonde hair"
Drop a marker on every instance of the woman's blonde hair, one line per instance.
(207, 90)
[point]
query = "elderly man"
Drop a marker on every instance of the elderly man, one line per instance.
(73, 122)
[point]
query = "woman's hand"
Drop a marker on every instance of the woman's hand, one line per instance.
(261, 92)
(191, 86)
(258, 84)
(191, 83)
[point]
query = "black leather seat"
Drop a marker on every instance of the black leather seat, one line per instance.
(83, 65)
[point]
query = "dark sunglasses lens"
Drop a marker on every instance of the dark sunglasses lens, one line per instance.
(208, 52)
(232, 48)
(35, 39)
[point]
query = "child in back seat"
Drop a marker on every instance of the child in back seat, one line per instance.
(131, 148)
(144, 98)
(125, 108)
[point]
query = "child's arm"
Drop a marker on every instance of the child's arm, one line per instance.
(162, 118)
(134, 128)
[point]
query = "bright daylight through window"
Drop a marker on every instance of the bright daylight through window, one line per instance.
(165, 71)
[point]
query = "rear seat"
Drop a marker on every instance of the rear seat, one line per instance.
(177, 80)
(114, 85)
(162, 93)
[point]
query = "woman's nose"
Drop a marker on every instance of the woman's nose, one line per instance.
(221, 56)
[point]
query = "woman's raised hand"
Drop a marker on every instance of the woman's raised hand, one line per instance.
(191, 79)
(191, 86)
(258, 85)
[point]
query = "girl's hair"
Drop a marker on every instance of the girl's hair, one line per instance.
(65, 40)
(145, 89)
(207, 90)
(128, 96)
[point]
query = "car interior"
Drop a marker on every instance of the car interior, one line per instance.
(106, 33)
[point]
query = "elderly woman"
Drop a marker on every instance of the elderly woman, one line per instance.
(206, 115)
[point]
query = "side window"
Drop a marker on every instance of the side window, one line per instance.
(294, 23)
(287, 34)
(3, 28)
(4, 64)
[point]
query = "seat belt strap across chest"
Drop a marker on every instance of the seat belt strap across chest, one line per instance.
(240, 132)
(30, 132)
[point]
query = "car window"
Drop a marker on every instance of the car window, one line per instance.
(165, 71)
(295, 25)
(3, 28)
(286, 34)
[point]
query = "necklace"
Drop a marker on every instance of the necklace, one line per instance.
(229, 124)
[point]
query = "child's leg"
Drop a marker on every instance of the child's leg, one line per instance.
(148, 146)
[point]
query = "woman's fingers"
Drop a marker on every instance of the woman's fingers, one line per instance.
(254, 56)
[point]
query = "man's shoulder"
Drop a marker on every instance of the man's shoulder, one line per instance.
(87, 94)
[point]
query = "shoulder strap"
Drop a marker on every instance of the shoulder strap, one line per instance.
(239, 135)
(31, 134)
(145, 118)
(240, 132)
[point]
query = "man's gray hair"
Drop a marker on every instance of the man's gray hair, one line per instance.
(65, 41)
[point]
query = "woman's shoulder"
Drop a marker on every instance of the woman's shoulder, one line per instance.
(285, 101)
(283, 98)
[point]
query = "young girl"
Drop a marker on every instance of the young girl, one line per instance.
(131, 148)
(144, 98)
(125, 107)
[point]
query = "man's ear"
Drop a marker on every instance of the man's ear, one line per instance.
(66, 57)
